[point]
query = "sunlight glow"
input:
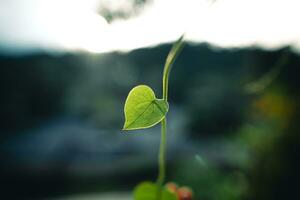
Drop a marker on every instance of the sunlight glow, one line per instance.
(226, 23)
(75, 25)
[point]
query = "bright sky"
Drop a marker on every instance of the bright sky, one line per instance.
(75, 25)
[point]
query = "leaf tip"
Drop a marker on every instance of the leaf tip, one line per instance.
(125, 128)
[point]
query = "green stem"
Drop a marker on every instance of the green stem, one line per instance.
(176, 49)
(162, 157)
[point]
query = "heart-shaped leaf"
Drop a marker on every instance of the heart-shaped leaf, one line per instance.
(148, 191)
(142, 109)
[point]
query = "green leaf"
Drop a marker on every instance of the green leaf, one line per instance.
(148, 191)
(142, 109)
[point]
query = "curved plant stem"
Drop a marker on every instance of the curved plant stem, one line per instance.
(176, 49)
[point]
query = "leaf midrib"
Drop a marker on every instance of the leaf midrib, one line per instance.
(139, 115)
(152, 102)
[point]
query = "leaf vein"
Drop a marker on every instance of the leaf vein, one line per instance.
(139, 115)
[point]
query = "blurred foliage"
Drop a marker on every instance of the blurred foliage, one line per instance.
(250, 140)
(121, 9)
(33, 88)
(262, 83)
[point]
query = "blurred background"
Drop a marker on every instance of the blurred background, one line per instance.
(66, 68)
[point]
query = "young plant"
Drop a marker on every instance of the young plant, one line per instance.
(144, 110)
